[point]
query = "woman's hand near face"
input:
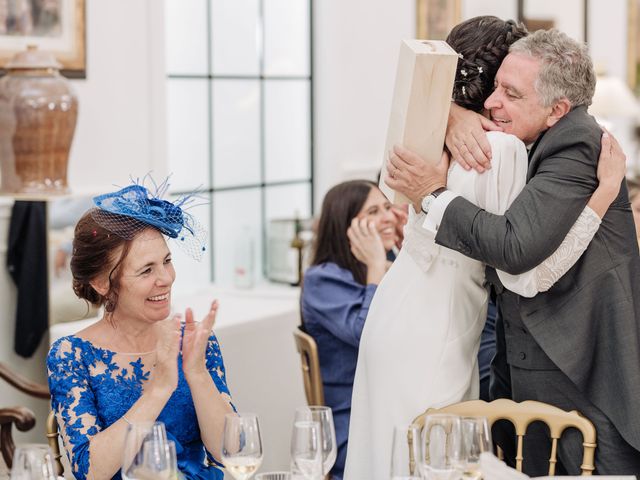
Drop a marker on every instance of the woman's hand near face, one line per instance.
(366, 246)
(195, 341)
(164, 377)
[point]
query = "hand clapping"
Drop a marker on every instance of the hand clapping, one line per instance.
(164, 377)
(195, 341)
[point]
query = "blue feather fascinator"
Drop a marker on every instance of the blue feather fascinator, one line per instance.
(134, 208)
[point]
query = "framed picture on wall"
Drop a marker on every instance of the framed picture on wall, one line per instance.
(569, 16)
(57, 26)
(434, 18)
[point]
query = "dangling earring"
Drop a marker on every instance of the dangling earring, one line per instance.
(110, 302)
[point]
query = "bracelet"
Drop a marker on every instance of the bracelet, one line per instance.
(126, 420)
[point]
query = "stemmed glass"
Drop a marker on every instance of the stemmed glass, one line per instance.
(138, 434)
(324, 416)
(406, 454)
(306, 449)
(476, 439)
(33, 462)
(241, 445)
(442, 447)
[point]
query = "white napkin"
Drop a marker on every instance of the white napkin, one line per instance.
(495, 469)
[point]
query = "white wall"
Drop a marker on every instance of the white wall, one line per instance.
(356, 46)
(120, 130)
(607, 31)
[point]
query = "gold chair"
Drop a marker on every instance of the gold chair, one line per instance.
(52, 439)
(311, 376)
(521, 415)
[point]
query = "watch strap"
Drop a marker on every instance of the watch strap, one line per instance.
(438, 191)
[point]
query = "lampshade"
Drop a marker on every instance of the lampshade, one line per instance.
(613, 98)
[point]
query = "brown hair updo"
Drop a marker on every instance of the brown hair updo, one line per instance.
(483, 43)
(94, 253)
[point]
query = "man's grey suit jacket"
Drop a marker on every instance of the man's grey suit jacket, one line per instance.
(588, 323)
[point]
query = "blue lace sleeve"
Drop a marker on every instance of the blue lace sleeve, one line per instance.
(73, 402)
(215, 365)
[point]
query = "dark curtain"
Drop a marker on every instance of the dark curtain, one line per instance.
(27, 265)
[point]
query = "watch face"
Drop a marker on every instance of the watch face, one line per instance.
(426, 203)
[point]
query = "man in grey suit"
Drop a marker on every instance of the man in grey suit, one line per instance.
(576, 346)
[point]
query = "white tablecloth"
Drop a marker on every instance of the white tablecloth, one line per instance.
(254, 328)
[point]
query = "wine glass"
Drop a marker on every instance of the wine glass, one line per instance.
(133, 459)
(241, 445)
(324, 416)
(476, 439)
(306, 449)
(33, 462)
(441, 447)
(406, 453)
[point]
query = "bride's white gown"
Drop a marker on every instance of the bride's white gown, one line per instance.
(420, 341)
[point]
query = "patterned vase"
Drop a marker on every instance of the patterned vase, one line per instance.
(38, 112)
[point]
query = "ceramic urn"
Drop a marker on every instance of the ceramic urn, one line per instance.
(38, 112)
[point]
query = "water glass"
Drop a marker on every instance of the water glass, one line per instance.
(406, 454)
(241, 445)
(133, 458)
(160, 460)
(441, 447)
(476, 439)
(306, 450)
(33, 462)
(324, 416)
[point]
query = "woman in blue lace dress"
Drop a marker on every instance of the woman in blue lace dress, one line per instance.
(136, 364)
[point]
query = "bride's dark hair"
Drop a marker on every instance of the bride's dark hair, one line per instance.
(482, 43)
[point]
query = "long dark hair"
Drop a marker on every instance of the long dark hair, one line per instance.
(341, 204)
(483, 43)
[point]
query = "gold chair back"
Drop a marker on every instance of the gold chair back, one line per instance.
(52, 440)
(310, 364)
(521, 415)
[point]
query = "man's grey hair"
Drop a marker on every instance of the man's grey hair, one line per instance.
(566, 69)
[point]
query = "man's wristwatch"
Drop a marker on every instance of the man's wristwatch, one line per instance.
(429, 199)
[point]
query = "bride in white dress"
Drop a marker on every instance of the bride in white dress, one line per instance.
(420, 341)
